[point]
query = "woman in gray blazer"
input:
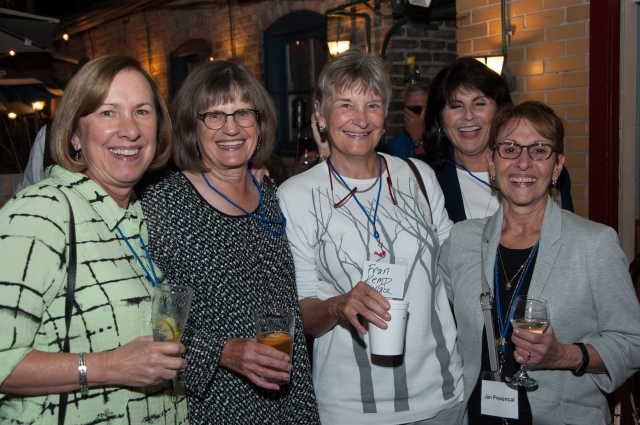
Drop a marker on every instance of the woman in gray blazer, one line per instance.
(532, 247)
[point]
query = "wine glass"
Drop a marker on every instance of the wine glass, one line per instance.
(530, 314)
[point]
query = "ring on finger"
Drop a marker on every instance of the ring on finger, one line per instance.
(528, 357)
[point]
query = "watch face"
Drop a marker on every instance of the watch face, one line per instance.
(417, 143)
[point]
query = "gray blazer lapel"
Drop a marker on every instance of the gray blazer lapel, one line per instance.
(550, 244)
(490, 240)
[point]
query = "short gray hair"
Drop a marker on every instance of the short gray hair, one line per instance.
(416, 89)
(350, 70)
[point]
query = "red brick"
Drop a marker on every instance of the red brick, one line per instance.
(486, 14)
(578, 193)
(547, 81)
(488, 44)
(569, 63)
(575, 128)
(581, 208)
(580, 176)
(575, 160)
(575, 112)
(544, 19)
(578, 13)
(567, 31)
(577, 144)
(566, 96)
(527, 37)
(472, 32)
(579, 45)
(462, 5)
(546, 50)
(527, 68)
(578, 79)
(530, 95)
(524, 7)
(558, 4)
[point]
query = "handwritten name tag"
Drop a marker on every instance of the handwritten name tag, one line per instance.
(499, 400)
(388, 279)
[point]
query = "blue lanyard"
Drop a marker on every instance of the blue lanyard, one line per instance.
(475, 177)
(154, 280)
(263, 219)
(376, 235)
(504, 326)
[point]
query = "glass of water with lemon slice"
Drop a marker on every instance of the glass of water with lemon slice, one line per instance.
(171, 305)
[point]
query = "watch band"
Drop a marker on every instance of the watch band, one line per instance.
(417, 142)
(82, 375)
(585, 359)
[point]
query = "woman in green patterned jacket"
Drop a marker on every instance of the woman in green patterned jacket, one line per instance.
(111, 126)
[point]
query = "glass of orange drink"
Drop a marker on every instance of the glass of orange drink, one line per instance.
(275, 328)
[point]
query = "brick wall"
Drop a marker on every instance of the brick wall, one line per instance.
(549, 54)
(170, 26)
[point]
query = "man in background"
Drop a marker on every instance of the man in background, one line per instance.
(409, 143)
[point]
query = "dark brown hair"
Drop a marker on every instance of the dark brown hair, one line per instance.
(214, 83)
(542, 118)
(86, 91)
(463, 73)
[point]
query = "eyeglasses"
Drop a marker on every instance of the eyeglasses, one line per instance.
(537, 151)
(216, 120)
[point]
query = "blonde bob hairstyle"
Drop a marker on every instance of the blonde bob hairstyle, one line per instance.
(84, 94)
(214, 83)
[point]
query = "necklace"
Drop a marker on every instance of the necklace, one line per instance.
(504, 270)
(352, 194)
(263, 216)
(464, 199)
(475, 177)
(154, 279)
(504, 324)
(355, 188)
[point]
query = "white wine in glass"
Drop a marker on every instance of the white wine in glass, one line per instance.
(530, 314)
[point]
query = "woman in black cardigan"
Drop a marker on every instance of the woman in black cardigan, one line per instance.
(463, 99)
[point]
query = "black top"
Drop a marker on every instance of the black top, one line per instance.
(235, 267)
(512, 260)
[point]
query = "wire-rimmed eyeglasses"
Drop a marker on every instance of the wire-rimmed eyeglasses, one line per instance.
(537, 151)
(215, 120)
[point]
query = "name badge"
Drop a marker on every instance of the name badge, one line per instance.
(499, 400)
(386, 278)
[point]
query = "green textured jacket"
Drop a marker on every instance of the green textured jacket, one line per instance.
(112, 298)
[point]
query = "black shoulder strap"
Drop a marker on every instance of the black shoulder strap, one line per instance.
(420, 183)
(68, 305)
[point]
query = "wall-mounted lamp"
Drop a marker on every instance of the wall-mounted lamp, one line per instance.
(65, 37)
(12, 53)
(38, 105)
(337, 47)
(12, 115)
(495, 62)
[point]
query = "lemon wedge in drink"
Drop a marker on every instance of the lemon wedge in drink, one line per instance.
(168, 330)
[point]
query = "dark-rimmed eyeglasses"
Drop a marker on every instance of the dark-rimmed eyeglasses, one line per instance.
(216, 120)
(537, 151)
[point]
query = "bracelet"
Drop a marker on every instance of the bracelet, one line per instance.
(320, 157)
(82, 375)
(585, 360)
